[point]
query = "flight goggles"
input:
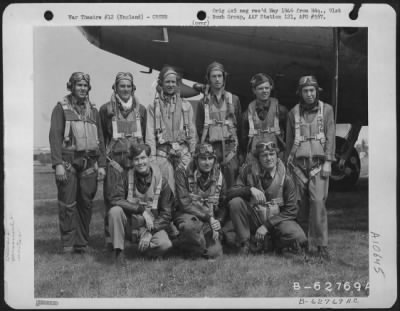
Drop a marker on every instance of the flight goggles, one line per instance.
(204, 149)
(269, 146)
(308, 81)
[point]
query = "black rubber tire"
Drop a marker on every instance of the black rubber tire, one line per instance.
(339, 180)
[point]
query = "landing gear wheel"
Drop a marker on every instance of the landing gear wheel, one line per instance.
(345, 176)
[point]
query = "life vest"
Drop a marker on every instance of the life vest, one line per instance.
(174, 127)
(152, 194)
(125, 131)
(263, 130)
(219, 123)
(273, 194)
(209, 199)
(80, 132)
(309, 139)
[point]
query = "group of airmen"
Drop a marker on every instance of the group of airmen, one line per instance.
(250, 182)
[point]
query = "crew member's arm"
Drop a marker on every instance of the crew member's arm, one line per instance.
(117, 191)
(105, 124)
(241, 188)
(238, 117)
(193, 131)
(288, 211)
(143, 120)
(283, 115)
(185, 201)
(290, 132)
(244, 136)
(56, 135)
(200, 119)
(165, 207)
(150, 126)
(330, 133)
(221, 212)
(102, 149)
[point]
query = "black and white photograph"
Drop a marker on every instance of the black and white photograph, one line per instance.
(230, 152)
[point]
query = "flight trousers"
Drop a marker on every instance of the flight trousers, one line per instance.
(75, 201)
(120, 228)
(311, 200)
(229, 165)
(285, 234)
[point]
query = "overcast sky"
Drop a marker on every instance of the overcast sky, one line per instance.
(59, 51)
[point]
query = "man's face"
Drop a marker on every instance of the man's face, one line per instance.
(268, 160)
(263, 91)
(309, 94)
(141, 162)
(216, 79)
(205, 163)
(169, 84)
(80, 89)
(124, 89)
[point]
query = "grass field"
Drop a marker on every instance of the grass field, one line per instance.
(94, 275)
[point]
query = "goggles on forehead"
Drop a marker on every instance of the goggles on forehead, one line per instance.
(269, 146)
(308, 80)
(205, 149)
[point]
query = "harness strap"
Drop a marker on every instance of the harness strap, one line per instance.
(206, 121)
(280, 192)
(276, 121)
(138, 132)
(156, 195)
(275, 129)
(158, 116)
(67, 128)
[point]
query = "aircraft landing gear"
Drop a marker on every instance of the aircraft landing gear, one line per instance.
(345, 173)
(346, 168)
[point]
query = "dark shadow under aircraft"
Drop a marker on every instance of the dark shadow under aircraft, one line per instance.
(336, 56)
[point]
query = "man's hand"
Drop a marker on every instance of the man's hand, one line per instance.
(144, 242)
(101, 173)
(260, 233)
(61, 176)
(215, 235)
(148, 219)
(326, 169)
(215, 224)
(258, 195)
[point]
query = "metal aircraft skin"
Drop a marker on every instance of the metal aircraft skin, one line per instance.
(285, 53)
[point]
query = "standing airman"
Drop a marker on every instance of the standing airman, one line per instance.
(77, 153)
(170, 133)
(123, 122)
(218, 120)
(310, 138)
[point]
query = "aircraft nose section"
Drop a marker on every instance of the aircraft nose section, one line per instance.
(92, 34)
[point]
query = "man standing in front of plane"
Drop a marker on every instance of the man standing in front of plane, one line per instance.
(123, 122)
(265, 119)
(77, 154)
(170, 132)
(310, 138)
(218, 121)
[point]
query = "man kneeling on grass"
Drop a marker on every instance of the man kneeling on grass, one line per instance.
(200, 191)
(142, 202)
(264, 205)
